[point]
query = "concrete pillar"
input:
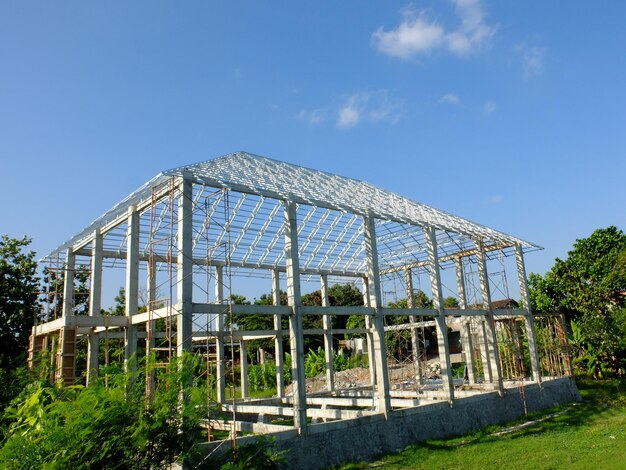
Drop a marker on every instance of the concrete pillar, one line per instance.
(440, 320)
(68, 283)
(466, 329)
(468, 350)
(243, 366)
(95, 304)
(369, 337)
(328, 335)
(296, 338)
(132, 288)
(278, 340)
(184, 276)
(483, 333)
(219, 337)
(531, 335)
(65, 357)
(415, 345)
(383, 400)
(490, 324)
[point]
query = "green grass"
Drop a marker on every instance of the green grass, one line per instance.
(591, 434)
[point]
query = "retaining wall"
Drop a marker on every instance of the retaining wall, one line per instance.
(329, 444)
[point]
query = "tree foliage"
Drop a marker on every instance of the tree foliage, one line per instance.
(19, 290)
(106, 426)
(589, 287)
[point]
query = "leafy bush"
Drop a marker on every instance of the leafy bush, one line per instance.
(105, 426)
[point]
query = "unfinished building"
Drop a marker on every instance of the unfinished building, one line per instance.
(189, 238)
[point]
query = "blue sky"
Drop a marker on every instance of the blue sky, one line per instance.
(511, 114)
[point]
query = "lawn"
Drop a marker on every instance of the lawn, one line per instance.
(591, 434)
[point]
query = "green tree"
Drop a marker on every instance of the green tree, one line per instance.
(19, 306)
(588, 287)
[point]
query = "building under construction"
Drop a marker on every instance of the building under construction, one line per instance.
(189, 238)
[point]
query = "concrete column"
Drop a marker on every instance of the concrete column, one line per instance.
(483, 333)
(415, 345)
(383, 400)
(95, 301)
(468, 350)
(219, 337)
(132, 288)
(440, 320)
(490, 324)
(68, 283)
(369, 337)
(278, 340)
(296, 338)
(466, 329)
(243, 366)
(184, 276)
(531, 335)
(328, 336)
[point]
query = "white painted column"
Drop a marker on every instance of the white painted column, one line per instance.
(531, 334)
(296, 338)
(132, 288)
(68, 283)
(490, 324)
(95, 304)
(440, 320)
(184, 276)
(368, 336)
(328, 335)
(466, 329)
(383, 400)
(219, 337)
(415, 345)
(278, 340)
(243, 367)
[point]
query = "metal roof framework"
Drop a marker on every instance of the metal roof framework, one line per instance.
(240, 197)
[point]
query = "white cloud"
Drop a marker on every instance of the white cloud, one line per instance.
(313, 117)
(417, 34)
(349, 115)
(489, 107)
(532, 60)
(449, 98)
(414, 35)
(370, 106)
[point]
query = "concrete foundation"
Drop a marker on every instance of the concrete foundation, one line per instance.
(329, 444)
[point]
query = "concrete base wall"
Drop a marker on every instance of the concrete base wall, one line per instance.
(334, 443)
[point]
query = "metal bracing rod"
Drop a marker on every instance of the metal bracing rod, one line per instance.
(236, 209)
(346, 248)
(305, 221)
(247, 224)
(400, 240)
(328, 231)
(338, 239)
(279, 233)
(261, 232)
(212, 207)
(316, 229)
